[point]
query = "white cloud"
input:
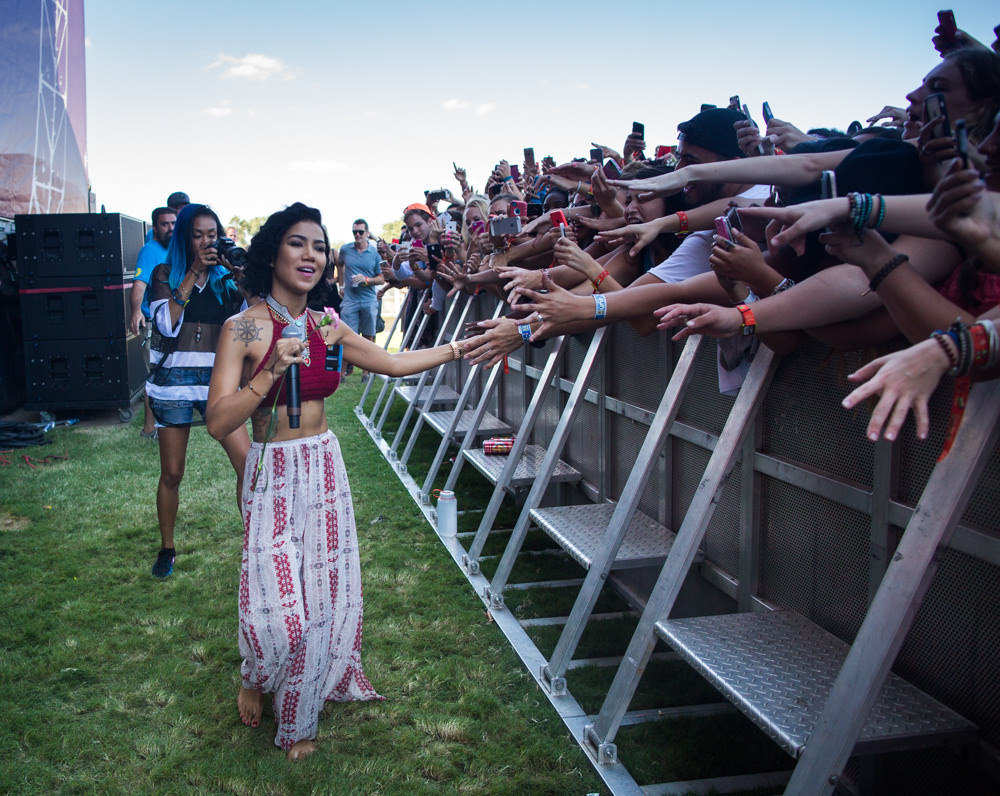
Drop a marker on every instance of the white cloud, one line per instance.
(255, 66)
(219, 113)
(455, 105)
(319, 166)
(483, 108)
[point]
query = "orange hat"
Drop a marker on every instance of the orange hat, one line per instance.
(418, 206)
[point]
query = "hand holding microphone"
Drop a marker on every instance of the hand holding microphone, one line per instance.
(293, 402)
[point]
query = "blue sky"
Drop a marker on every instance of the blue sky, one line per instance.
(249, 106)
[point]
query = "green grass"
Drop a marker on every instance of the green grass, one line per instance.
(111, 681)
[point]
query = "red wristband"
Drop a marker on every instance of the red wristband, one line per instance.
(601, 277)
(683, 218)
(749, 322)
(980, 345)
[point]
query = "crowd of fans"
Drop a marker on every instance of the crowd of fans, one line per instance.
(858, 238)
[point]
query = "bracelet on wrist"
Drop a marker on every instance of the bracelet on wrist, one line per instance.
(250, 387)
(884, 271)
(749, 321)
(600, 278)
(682, 217)
(600, 307)
(525, 330)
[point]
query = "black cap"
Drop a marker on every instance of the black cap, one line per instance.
(177, 200)
(713, 129)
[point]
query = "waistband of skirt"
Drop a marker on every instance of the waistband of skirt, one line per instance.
(302, 442)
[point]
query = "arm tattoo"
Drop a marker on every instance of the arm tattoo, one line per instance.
(246, 331)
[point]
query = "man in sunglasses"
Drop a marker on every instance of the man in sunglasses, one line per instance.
(359, 268)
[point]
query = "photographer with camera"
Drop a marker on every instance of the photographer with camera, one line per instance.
(193, 293)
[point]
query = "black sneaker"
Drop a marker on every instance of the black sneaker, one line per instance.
(164, 563)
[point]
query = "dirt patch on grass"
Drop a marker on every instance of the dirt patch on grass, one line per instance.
(11, 522)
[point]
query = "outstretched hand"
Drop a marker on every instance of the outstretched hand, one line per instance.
(661, 185)
(496, 338)
(555, 307)
(962, 208)
(709, 319)
(641, 235)
(903, 381)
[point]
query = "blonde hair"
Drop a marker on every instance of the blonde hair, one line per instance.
(482, 204)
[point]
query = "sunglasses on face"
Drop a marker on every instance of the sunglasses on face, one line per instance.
(358, 231)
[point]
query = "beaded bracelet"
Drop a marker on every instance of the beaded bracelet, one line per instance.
(525, 330)
(177, 300)
(749, 322)
(939, 337)
(600, 307)
(884, 271)
(250, 387)
(881, 211)
(601, 277)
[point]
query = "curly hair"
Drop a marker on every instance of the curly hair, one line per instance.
(264, 246)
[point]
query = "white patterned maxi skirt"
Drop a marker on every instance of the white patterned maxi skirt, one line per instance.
(300, 583)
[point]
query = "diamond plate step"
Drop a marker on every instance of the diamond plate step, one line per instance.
(527, 468)
(778, 669)
(444, 394)
(579, 530)
(489, 425)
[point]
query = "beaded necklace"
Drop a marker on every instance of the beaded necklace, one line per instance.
(280, 313)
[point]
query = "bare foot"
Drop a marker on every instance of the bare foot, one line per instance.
(249, 703)
(301, 749)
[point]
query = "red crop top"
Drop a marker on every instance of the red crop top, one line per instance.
(315, 381)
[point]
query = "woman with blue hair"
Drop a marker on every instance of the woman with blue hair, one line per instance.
(192, 296)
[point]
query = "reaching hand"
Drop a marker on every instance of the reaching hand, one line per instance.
(573, 172)
(602, 224)
(786, 135)
(904, 380)
(869, 254)
(459, 174)
(519, 280)
(497, 338)
(796, 221)
(895, 116)
(608, 152)
(661, 185)
(555, 307)
(962, 208)
(605, 195)
(709, 319)
(137, 321)
(642, 235)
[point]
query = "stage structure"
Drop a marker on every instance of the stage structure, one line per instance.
(43, 127)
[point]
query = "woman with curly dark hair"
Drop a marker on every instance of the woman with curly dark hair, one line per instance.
(300, 603)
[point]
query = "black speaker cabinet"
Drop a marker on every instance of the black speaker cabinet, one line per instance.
(76, 313)
(64, 250)
(83, 374)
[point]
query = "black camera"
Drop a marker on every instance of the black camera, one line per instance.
(230, 252)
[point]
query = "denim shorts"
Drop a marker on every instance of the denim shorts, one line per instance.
(170, 414)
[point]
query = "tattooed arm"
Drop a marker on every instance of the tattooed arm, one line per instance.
(232, 396)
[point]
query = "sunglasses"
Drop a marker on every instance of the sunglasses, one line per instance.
(359, 231)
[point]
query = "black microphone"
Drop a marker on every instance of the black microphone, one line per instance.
(292, 400)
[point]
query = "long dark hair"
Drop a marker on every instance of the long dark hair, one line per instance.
(264, 246)
(180, 246)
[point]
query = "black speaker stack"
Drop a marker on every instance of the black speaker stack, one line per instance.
(74, 282)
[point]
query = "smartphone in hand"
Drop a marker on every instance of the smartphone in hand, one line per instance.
(639, 129)
(936, 113)
(828, 185)
(767, 114)
(597, 155)
(723, 229)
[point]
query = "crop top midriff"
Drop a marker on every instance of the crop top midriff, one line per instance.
(315, 381)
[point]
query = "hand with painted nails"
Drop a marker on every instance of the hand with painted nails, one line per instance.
(903, 381)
